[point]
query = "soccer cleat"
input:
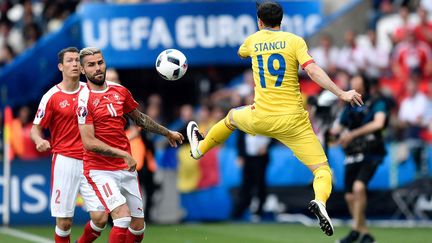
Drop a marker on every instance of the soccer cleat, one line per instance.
(367, 238)
(194, 137)
(318, 208)
(350, 238)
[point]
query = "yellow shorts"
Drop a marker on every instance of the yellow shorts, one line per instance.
(295, 131)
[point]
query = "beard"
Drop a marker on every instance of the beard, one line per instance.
(95, 81)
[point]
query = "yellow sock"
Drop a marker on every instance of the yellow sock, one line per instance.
(322, 183)
(217, 135)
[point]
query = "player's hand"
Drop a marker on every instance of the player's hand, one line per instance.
(174, 137)
(131, 163)
(43, 145)
(352, 97)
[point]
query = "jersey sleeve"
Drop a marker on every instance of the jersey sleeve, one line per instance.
(44, 113)
(130, 103)
(302, 53)
(84, 115)
(243, 50)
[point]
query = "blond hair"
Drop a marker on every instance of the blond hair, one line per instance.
(87, 51)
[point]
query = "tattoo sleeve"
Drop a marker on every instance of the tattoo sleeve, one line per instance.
(106, 151)
(146, 123)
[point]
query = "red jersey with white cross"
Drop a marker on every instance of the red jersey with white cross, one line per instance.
(56, 112)
(104, 110)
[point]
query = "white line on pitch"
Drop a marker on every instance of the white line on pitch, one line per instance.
(24, 235)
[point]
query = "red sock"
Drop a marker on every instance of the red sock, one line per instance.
(131, 238)
(117, 235)
(89, 234)
(59, 239)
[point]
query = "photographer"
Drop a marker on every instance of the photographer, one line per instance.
(360, 130)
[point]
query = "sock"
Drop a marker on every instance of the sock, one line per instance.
(119, 230)
(217, 135)
(117, 235)
(322, 183)
(91, 233)
(134, 236)
(62, 236)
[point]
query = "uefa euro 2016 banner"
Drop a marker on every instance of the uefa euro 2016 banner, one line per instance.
(208, 33)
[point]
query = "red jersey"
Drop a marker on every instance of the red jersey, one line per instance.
(56, 112)
(412, 55)
(421, 32)
(104, 110)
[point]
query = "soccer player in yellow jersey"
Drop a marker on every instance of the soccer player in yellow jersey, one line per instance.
(277, 111)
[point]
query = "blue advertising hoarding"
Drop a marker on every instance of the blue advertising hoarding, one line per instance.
(208, 33)
(30, 194)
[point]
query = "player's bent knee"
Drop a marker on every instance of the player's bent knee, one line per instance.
(64, 223)
(123, 222)
(99, 218)
(320, 167)
(229, 120)
(316, 167)
(137, 224)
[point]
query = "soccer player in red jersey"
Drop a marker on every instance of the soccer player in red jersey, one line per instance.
(57, 113)
(108, 164)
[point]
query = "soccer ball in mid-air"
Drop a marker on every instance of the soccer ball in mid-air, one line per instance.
(171, 64)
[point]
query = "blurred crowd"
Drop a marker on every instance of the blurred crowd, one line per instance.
(396, 51)
(23, 22)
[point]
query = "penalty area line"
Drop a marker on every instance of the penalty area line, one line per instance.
(24, 235)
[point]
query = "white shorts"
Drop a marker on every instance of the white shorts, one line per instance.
(117, 187)
(67, 179)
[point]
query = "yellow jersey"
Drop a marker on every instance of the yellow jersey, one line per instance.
(276, 56)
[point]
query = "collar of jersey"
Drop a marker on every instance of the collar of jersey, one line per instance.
(271, 30)
(69, 92)
(99, 91)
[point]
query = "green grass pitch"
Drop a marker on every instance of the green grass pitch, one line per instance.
(241, 233)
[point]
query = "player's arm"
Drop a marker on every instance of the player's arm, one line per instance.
(42, 144)
(320, 77)
(147, 124)
(376, 124)
(243, 51)
(93, 144)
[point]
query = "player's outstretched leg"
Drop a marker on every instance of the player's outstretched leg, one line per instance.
(318, 208)
(194, 137)
(217, 134)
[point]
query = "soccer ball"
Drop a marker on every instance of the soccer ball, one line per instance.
(171, 64)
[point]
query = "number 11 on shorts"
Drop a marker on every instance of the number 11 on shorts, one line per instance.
(107, 190)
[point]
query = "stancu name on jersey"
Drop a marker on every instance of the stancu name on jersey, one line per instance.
(268, 46)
